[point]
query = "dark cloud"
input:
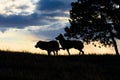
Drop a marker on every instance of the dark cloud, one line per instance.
(51, 5)
(2, 29)
(17, 21)
(55, 14)
(45, 12)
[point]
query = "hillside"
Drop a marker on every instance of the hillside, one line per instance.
(26, 66)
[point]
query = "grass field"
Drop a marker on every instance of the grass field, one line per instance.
(26, 66)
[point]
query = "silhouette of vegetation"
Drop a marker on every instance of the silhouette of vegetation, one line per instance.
(49, 46)
(26, 66)
(67, 44)
(95, 20)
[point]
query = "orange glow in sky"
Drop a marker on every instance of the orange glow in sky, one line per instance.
(24, 41)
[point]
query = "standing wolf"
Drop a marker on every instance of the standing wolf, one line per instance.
(67, 44)
(48, 46)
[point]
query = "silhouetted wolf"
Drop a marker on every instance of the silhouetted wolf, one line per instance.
(48, 46)
(67, 44)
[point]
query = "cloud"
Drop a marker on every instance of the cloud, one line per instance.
(23, 13)
(30, 20)
(47, 16)
(49, 31)
(21, 21)
(51, 5)
(17, 7)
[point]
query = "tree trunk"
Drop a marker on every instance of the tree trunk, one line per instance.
(114, 41)
(115, 45)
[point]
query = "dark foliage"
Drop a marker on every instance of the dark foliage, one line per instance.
(95, 20)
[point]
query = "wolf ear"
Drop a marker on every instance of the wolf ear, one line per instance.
(61, 35)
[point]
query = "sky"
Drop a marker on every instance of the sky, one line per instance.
(24, 22)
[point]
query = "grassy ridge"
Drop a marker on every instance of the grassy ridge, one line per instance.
(20, 66)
